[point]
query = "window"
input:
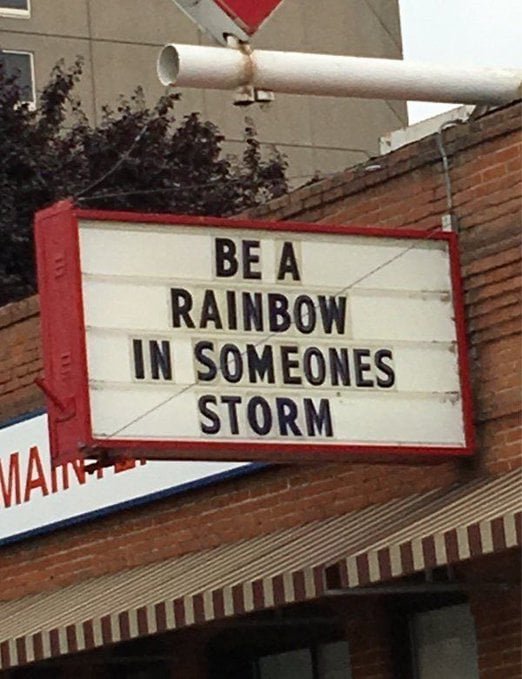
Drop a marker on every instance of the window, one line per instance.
(308, 642)
(444, 643)
(20, 64)
(15, 8)
(286, 665)
(324, 661)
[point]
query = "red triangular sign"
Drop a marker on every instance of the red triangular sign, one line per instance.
(249, 14)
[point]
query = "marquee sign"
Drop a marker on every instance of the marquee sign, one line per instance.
(240, 18)
(175, 337)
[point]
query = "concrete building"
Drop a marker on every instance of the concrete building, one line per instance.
(120, 41)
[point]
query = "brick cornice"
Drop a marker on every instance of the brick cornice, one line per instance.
(381, 169)
(15, 312)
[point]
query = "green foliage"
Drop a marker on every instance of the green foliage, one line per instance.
(136, 158)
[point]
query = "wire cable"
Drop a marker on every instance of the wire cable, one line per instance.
(183, 185)
(116, 165)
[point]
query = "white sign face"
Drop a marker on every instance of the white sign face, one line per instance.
(269, 337)
(35, 498)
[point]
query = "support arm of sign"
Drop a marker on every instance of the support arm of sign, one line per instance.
(337, 76)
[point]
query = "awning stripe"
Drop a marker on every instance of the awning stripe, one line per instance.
(38, 646)
(20, 651)
(72, 644)
(461, 544)
(373, 545)
(179, 613)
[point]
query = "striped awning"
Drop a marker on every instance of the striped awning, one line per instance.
(370, 546)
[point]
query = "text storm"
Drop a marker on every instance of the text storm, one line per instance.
(266, 336)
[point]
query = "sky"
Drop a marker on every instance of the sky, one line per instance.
(482, 33)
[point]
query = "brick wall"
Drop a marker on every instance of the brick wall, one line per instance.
(369, 638)
(485, 157)
(20, 358)
(408, 190)
(498, 618)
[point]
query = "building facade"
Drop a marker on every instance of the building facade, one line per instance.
(319, 571)
(120, 41)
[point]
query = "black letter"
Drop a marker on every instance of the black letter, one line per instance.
(211, 373)
(384, 368)
(215, 425)
(288, 263)
(231, 402)
(210, 311)
(139, 367)
(331, 313)
(250, 258)
(259, 366)
(181, 310)
(231, 310)
(339, 366)
(231, 363)
(264, 427)
(320, 366)
(361, 367)
(287, 364)
(305, 322)
(287, 415)
(160, 360)
(226, 262)
(321, 418)
(278, 312)
(252, 310)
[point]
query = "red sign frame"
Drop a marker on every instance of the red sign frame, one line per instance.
(65, 355)
(249, 14)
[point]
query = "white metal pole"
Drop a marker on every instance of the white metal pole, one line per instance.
(337, 76)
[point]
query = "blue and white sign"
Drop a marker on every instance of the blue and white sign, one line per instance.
(35, 498)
